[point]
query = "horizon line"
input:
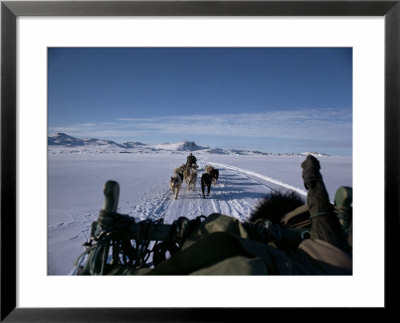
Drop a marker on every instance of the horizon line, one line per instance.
(201, 147)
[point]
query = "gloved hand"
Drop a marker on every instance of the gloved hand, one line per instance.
(183, 227)
(263, 231)
(311, 171)
(180, 230)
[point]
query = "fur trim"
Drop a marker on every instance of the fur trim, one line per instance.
(274, 206)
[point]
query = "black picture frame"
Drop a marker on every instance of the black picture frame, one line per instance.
(10, 10)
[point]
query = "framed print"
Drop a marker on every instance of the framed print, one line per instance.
(355, 44)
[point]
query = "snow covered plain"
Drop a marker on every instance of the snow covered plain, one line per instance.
(76, 177)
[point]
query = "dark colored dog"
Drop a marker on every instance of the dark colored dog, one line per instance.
(214, 175)
(206, 182)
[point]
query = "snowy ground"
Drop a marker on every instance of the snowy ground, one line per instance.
(76, 180)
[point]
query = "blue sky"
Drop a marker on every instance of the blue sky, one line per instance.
(268, 99)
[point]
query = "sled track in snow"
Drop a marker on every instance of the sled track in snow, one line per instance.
(224, 198)
(275, 185)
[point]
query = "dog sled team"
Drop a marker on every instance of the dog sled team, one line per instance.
(188, 173)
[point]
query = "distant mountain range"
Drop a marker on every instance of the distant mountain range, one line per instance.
(64, 140)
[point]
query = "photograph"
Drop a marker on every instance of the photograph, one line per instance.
(199, 160)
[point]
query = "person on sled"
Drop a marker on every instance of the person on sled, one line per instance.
(191, 160)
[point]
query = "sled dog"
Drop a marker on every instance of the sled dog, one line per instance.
(175, 184)
(208, 168)
(214, 173)
(179, 171)
(186, 174)
(206, 182)
(192, 179)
